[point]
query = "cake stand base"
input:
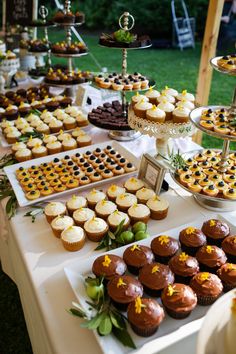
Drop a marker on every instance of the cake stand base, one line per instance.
(218, 206)
(121, 135)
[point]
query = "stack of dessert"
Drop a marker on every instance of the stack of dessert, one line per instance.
(69, 17)
(71, 171)
(166, 106)
(227, 62)
(64, 48)
(118, 82)
(130, 203)
(59, 76)
(219, 120)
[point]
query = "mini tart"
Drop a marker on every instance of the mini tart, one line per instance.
(139, 212)
(207, 286)
(205, 182)
(155, 277)
(118, 170)
(59, 188)
(107, 173)
(221, 186)
(229, 178)
(207, 124)
(137, 256)
(185, 179)
(113, 191)
(72, 183)
(194, 187)
(54, 209)
(144, 194)
(141, 107)
(82, 215)
(210, 190)
(47, 191)
(200, 157)
(115, 219)
(210, 171)
(158, 207)
(125, 201)
(109, 266)
(230, 193)
(210, 258)
(96, 229)
(33, 194)
(209, 153)
(164, 247)
(191, 239)
(227, 274)
(180, 114)
(156, 115)
(179, 300)
(75, 202)
(198, 175)
(60, 223)
(84, 180)
(133, 184)
(95, 177)
(95, 196)
(104, 208)
(73, 238)
(123, 290)
(222, 129)
(129, 167)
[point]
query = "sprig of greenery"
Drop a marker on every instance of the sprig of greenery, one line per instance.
(111, 240)
(103, 317)
(7, 160)
(34, 213)
(176, 160)
(124, 36)
(6, 191)
(25, 137)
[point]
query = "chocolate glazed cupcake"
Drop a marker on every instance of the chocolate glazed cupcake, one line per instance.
(210, 258)
(145, 316)
(108, 266)
(227, 274)
(191, 239)
(137, 256)
(179, 300)
(184, 267)
(123, 290)
(155, 277)
(207, 286)
(164, 247)
(229, 247)
(215, 231)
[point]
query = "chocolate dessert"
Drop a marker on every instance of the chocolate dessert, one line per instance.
(109, 266)
(227, 274)
(229, 247)
(210, 258)
(137, 256)
(207, 286)
(191, 239)
(184, 267)
(216, 231)
(164, 247)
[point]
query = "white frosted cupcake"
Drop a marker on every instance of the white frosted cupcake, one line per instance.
(139, 212)
(45, 115)
(81, 120)
(23, 155)
(43, 128)
(27, 129)
(144, 194)
(54, 209)
(72, 111)
(185, 95)
(186, 104)
(73, 238)
(62, 136)
(115, 219)
(60, 223)
(96, 229)
(32, 142)
(58, 112)
(180, 114)
(166, 97)
(69, 123)
(113, 191)
(77, 132)
(137, 98)
(82, 215)
(6, 124)
(95, 196)
(13, 136)
(39, 151)
(141, 108)
(55, 125)
(84, 140)
(35, 122)
(31, 117)
(104, 208)
(49, 139)
(133, 184)
(170, 91)
(158, 207)
(167, 107)
(125, 201)
(54, 147)
(18, 146)
(152, 95)
(75, 202)
(69, 144)
(156, 115)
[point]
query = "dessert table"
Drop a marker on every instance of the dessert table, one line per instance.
(35, 260)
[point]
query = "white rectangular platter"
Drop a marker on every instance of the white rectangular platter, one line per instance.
(23, 201)
(170, 330)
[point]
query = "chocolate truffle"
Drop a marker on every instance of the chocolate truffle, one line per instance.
(164, 247)
(207, 286)
(215, 231)
(184, 267)
(179, 300)
(191, 239)
(210, 258)
(137, 256)
(109, 266)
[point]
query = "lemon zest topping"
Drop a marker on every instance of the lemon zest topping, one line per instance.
(171, 290)
(184, 92)
(235, 239)
(139, 305)
(163, 239)
(113, 188)
(154, 107)
(183, 257)
(155, 269)
(190, 230)
(209, 249)
(120, 283)
(231, 266)
(203, 276)
(135, 247)
(107, 261)
(212, 223)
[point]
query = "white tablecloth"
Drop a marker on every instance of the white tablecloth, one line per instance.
(35, 259)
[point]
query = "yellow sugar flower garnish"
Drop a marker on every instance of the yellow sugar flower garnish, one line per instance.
(46, 136)
(164, 101)
(171, 290)
(74, 197)
(61, 131)
(104, 202)
(30, 138)
(156, 198)
(184, 92)
(190, 230)
(120, 283)
(233, 307)
(107, 261)
(166, 87)
(116, 212)
(94, 191)
(113, 188)
(235, 239)
(142, 100)
(135, 205)
(133, 179)
(122, 196)
(231, 266)
(151, 89)
(163, 239)
(212, 223)
(203, 276)
(37, 145)
(163, 94)
(154, 107)
(183, 257)
(209, 249)
(155, 269)
(135, 247)
(138, 305)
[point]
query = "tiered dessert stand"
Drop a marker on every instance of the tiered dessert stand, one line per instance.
(214, 203)
(69, 89)
(115, 133)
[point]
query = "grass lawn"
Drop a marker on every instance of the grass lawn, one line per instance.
(168, 67)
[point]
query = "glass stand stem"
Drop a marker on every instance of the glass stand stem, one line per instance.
(223, 162)
(233, 104)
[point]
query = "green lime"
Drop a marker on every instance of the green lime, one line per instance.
(94, 291)
(126, 237)
(141, 235)
(139, 226)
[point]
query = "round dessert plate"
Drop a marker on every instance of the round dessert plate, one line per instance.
(152, 83)
(195, 117)
(211, 337)
(39, 53)
(222, 70)
(67, 55)
(66, 24)
(207, 202)
(113, 45)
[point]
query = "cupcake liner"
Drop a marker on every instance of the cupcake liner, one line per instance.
(177, 315)
(119, 306)
(163, 259)
(96, 237)
(228, 287)
(231, 258)
(144, 332)
(73, 247)
(205, 268)
(182, 280)
(144, 219)
(206, 300)
(133, 270)
(159, 215)
(152, 292)
(191, 251)
(215, 241)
